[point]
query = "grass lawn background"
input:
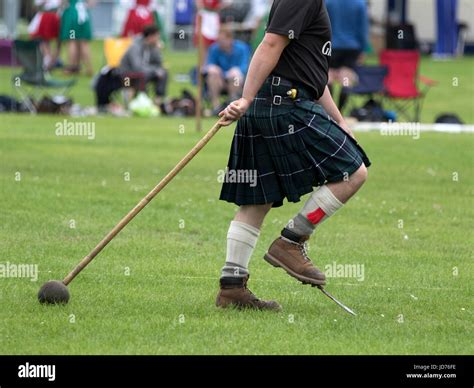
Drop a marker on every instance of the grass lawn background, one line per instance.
(152, 290)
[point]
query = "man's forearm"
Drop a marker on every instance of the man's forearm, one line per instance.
(263, 62)
(330, 106)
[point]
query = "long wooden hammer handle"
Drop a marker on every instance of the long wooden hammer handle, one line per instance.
(125, 220)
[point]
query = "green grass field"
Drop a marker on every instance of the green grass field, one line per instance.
(152, 290)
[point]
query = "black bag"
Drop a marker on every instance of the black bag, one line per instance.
(448, 118)
(372, 112)
(9, 104)
(55, 104)
(182, 106)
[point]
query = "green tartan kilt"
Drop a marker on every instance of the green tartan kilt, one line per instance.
(289, 148)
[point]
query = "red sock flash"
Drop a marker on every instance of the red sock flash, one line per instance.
(316, 216)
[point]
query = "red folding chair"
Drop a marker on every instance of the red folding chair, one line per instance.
(403, 81)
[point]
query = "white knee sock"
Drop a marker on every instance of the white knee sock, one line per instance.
(241, 240)
(320, 205)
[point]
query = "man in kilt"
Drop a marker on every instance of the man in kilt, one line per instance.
(292, 137)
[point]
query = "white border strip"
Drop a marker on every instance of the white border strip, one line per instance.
(446, 128)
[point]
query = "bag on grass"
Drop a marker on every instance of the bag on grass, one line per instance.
(449, 118)
(143, 106)
(184, 106)
(372, 111)
(9, 104)
(55, 105)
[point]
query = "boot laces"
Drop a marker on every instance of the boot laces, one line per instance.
(303, 247)
(304, 250)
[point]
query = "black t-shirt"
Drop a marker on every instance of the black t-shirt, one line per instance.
(306, 58)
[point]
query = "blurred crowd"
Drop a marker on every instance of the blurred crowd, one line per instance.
(230, 31)
(69, 22)
(66, 24)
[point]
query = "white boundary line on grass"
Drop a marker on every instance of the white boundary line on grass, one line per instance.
(445, 128)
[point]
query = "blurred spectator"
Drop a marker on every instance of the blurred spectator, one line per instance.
(76, 30)
(350, 38)
(234, 11)
(256, 20)
(226, 68)
(139, 16)
(45, 26)
(258, 10)
(144, 57)
(159, 11)
(141, 13)
(209, 12)
(141, 62)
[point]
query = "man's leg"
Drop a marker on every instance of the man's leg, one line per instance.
(235, 83)
(347, 78)
(344, 190)
(215, 83)
(288, 251)
(85, 56)
(242, 237)
(324, 202)
(161, 83)
(73, 56)
(45, 48)
(106, 85)
(343, 98)
(333, 76)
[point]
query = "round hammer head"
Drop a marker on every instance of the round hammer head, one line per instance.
(53, 292)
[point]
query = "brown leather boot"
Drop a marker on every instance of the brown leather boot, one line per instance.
(234, 292)
(291, 255)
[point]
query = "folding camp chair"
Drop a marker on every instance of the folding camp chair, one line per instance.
(401, 83)
(114, 50)
(370, 83)
(34, 80)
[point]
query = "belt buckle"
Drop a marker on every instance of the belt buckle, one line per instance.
(276, 81)
(277, 100)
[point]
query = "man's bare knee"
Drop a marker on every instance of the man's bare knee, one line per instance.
(214, 71)
(252, 214)
(360, 176)
(235, 75)
(258, 209)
